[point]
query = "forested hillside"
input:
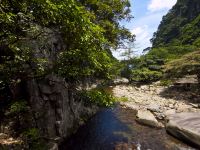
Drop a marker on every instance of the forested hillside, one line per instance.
(180, 26)
(179, 31)
(177, 35)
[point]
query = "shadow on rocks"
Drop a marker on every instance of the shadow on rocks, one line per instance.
(186, 92)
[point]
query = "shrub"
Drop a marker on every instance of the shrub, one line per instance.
(98, 97)
(145, 75)
(32, 134)
(18, 107)
(34, 140)
(165, 82)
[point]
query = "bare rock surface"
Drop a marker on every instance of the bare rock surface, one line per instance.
(149, 97)
(57, 111)
(120, 81)
(151, 104)
(185, 126)
(147, 118)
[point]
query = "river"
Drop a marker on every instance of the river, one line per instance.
(116, 129)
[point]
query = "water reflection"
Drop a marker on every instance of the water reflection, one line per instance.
(116, 129)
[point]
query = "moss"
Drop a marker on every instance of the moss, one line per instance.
(18, 107)
(34, 140)
(121, 99)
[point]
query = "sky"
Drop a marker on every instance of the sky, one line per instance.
(147, 16)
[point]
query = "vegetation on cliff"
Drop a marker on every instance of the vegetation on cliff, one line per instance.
(186, 65)
(68, 38)
(86, 31)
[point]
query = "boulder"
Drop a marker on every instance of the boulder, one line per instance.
(169, 112)
(185, 126)
(145, 117)
(159, 116)
(183, 108)
(154, 108)
(120, 81)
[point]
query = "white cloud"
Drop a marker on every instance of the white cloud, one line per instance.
(141, 32)
(158, 5)
(143, 26)
(143, 35)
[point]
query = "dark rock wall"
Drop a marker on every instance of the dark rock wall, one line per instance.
(56, 111)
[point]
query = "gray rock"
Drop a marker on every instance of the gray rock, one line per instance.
(159, 116)
(121, 81)
(56, 111)
(194, 105)
(171, 106)
(169, 112)
(154, 108)
(147, 118)
(54, 146)
(185, 126)
(183, 108)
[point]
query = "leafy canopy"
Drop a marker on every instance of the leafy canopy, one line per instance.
(88, 30)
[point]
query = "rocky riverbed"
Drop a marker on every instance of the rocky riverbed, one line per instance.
(159, 106)
(152, 98)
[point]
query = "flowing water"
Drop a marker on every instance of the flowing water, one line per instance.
(116, 129)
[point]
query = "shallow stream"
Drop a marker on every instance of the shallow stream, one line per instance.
(116, 129)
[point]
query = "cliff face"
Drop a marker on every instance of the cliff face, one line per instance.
(179, 24)
(52, 106)
(56, 111)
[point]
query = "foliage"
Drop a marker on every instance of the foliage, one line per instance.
(88, 29)
(178, 35)
(145, 75)
(145, 68)
(34, 140)
(126, 71)
(99, 97)
(121, 99)
(32, 134)
(108, 14)
(18, 107)
(165, 82)
(69, 38)
(188, 64)
(168, 53)
(180, 26)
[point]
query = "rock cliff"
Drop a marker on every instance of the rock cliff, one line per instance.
(53, 106)
(57, 113)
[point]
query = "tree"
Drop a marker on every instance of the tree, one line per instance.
(88, 29)
(128, 51)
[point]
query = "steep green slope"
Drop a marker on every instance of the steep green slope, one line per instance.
(178, 35)
(188, 64)
(178, 32)
(180, 26)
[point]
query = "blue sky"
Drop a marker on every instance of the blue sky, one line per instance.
(147, 16)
